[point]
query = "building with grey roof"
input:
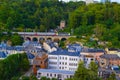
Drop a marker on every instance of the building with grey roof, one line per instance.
(64, 60)
(108, 60)
(52, 73)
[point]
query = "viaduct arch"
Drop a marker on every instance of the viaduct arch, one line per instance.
(38, 36)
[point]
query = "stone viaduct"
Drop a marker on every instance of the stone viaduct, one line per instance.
(38, 36)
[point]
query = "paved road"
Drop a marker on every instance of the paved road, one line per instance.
(29, 72)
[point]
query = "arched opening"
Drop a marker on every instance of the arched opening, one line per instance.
(56, 40)
(28, 38)
(49, 39)
(41, 40)
(35, 39)
(63, 39)
(22, 38)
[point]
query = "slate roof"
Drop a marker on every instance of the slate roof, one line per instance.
(115, 68)
(3, 55)
(56, 71)
(92, 50)
(3, 44)
(10, 48)
(19, 48)
(75, 47)
(110, 56)
(33, 43)
(65, 52)
(30, 56)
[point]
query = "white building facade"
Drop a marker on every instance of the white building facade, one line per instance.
(64, 60)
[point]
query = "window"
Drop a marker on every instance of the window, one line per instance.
(54, 75)
(47, 74)
(50, 75)
(69, 58)
(67, 76)
(66, 58)
(71, 76)
(52, 57)
(39, 73)
(65, 63)
(52, 62)
(91, 59)
(74, 59)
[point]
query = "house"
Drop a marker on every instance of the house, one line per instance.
(32, 49)
(74, 48)
(64, 60)
(32, 43)
(49, 47)
(111, 51)
(108, 60)
(40, 61)
(104, 73)
(96, 53)
(52, 73)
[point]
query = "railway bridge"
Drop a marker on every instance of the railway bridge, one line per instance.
(38, 36)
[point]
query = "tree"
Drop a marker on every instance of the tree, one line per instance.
(99, 30)
(84, 73)
(16, 39)
(13, 64)
(62, 44)
(25, 78)
(9, 23)
(43, 78)
(54, 79)
(81, 73)
(93, 71)
(112, 77)
(33, 77)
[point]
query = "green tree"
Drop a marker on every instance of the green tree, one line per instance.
(112, 77)
(93, 71)
(54, 79)
(62, 44)
(16, 39)
(12, 66)
(43, 78)
(25, 78)
(81, 73)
